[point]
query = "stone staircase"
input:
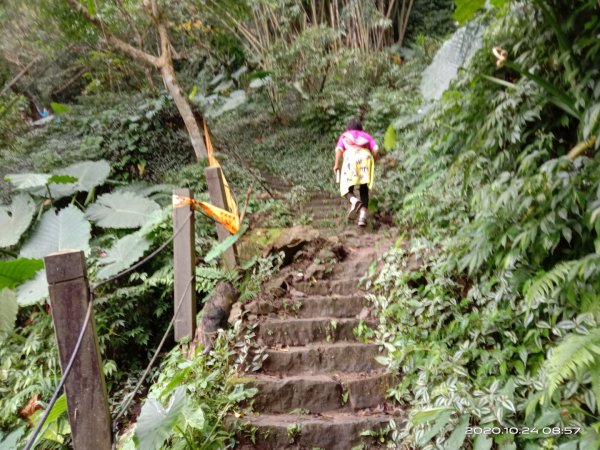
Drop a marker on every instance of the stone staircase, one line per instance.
(320, 387)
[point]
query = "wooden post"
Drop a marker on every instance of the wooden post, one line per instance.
(85, 388)
(184, 264)
(216, 190)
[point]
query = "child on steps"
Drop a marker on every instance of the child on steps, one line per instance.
(358, 150)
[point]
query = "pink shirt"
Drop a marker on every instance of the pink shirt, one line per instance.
(356, 138)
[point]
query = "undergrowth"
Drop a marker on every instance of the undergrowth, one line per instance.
(498, 327)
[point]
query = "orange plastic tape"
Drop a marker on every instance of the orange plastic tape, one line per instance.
(229, 220)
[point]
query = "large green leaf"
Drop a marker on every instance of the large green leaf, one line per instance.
(427, 415)
(15, 219)
(89, 174)
(28, 180)
(466, 9)
(482, 442)
(11, 441)
(456, 439)
(155, 423)
(437, 426)
(121, 210)
(66, 230)
(122, 255)
(389, 140)
(8, 310)
(15, 272)
(60, 108)
(34, 290)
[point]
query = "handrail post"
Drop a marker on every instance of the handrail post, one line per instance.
(85, 387)
(184, 265)
(214, 180)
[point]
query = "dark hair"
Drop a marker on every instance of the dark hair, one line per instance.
(354, 124)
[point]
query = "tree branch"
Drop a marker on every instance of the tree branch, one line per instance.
(137, 54)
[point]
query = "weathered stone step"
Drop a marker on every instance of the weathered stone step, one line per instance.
(322, 194)
(332, 214)
(326, 205)
(320, 392)
(357, 267)
(342, 286)
(297, 332)
(313, 306)
(322, 357)
(337, 431)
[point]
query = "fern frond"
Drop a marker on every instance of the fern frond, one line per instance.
(574, 353)
(544, 285)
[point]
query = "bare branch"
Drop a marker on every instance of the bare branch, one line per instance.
(137, 54)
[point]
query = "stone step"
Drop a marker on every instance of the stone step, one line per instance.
(342, 286)
(323, 194)
(313, 306)
(297, 332)
(335, 431)
(322, 357)
(326, 204)
(334, 215)
(320, 392)
(358, 267)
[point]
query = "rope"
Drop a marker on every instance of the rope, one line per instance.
(88, 314)
(38, 428)
(145, 259)
(67, 370)
(129, 399)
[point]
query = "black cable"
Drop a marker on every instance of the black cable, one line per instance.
(145, 259)
(38, 428)
(129, 399)
(67, 370)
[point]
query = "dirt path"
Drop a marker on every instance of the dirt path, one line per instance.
(320, 386)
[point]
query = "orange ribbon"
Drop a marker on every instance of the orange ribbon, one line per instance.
(227, 219)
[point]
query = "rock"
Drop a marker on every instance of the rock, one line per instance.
(315, 270)
(275, 287)
(292, 240)
(235, 314)
(325, 255)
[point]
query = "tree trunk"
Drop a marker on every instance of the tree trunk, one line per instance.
(170, 79)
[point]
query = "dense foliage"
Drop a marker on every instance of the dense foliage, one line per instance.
(491, 311)
(488, 306)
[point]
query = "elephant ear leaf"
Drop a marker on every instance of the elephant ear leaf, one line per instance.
(156, 423)
(15, 272)
(122, 255)
(8, 310)
(121, 210)
(15, 219)
(66, 230)
(27, 181)
(34, 290)
(84, 176)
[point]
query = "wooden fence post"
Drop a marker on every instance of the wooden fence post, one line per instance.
(85, 388)
(184, 264)
(216, 190)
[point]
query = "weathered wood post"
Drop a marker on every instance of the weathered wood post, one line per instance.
(184, 264)
(214, 180)
(85, 388)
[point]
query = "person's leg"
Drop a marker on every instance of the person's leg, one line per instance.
(364, 198)
(350, 195)
(355, 203)
(364, 195)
